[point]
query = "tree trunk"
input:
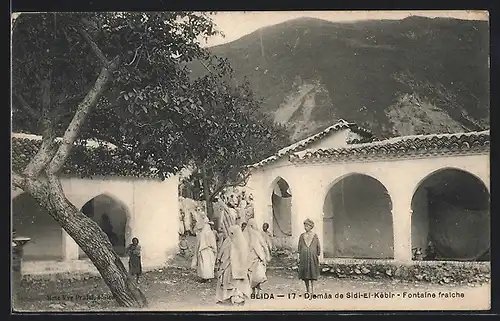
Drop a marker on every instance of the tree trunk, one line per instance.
(91, 239)
(206, 194)
(196, 189)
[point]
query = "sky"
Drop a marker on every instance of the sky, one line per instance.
(239, 23)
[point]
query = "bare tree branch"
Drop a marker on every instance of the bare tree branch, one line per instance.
(42, 158)
(218, 189)
(97, 51)
(135, 56)
(83, 109)
(46, 84)
(206, 67)
(63, 97)
(58, 112)
(220, 183)
(78, 120)
(18, 180)
(244, 179)
(238, 183)
(46, 100)
(26, 107)
(224, 182)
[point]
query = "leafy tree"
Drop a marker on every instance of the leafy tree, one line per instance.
(238, 134)
(112, 77)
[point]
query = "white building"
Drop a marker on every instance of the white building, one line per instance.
(379, 199)
(136, 204)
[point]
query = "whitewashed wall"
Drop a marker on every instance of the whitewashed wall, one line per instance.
(310, 184)
(152, 207)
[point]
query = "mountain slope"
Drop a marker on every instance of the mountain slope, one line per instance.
(410, 76)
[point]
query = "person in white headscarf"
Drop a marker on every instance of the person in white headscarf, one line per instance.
(259, 255)
(242, 210)
(205, 251)
(227, 217)
(233, 283)
(232, 207)
(242, 204)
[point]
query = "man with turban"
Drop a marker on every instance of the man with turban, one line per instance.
(309, 251)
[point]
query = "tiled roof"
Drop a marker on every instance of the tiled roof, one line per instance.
(93, 160)
(405, 146)
(303, 144)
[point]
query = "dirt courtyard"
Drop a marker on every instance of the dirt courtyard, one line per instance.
(177, 288)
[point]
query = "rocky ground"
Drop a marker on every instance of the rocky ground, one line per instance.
(177, 288)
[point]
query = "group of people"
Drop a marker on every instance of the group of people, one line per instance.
(231, 207)
(238, 259)
(236, 253)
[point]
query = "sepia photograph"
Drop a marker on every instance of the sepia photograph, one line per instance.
(250, 161)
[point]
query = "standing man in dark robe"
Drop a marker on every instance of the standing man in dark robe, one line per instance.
(309, 251)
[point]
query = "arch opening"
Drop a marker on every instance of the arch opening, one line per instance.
(29, 219)
(112, 217)
(281, 203)
(451, 218)
(357, 219)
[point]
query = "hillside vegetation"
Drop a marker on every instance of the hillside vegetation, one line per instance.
(411, 76)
